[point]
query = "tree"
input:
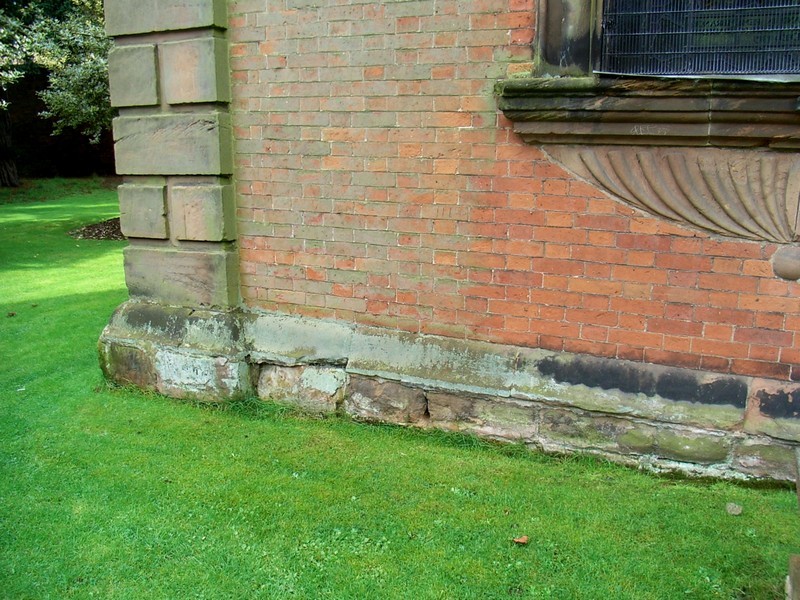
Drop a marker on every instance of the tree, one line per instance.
(67, 39)
(12, 60)
(74, 50)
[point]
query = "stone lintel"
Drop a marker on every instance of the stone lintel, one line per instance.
(127, 17)
(205, 277)
(651, 112)
(173, 144)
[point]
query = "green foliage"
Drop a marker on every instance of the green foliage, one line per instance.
(12, 52)
(113, 493)
(65, 37)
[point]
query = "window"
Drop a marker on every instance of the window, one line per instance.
(701, 38)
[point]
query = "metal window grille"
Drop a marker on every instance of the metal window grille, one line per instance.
(701, 38)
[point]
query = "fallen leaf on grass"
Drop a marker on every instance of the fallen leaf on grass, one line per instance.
(733, 509)
(522, 540)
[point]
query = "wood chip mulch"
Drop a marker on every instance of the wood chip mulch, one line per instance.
(105, 230)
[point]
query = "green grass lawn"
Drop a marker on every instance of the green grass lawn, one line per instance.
(113, 493)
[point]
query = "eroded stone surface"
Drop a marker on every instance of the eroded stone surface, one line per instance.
(128, 364)
(495, 417)
(187, 374)
(581, 430)
(764, 460)
(551, 422)
(695, 447)
(381, 400)
(316, 389)
(774, 410)
(679, 385)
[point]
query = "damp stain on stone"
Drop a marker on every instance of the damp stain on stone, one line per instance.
(596, 373)
(780, 404)
(674, 384)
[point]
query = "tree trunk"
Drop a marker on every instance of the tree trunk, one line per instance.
(8, 168)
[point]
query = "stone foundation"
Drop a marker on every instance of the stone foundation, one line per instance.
(655, 417)
(179, 352)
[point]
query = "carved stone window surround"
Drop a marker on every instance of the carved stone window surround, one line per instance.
(719, 155)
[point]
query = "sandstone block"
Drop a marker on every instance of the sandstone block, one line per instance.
(691, 447)
(576, 430)
(289, 340)
(202, 212)
(173, 144)
(450, 408)
(380, 400)
(182, 277)
(774, 461)
(793, 580)
(126, 364)
(316, 389)
(640, 439)
(195, 71)
(774, 409)
(653, 392)
(132, 75)
(143, 211)
(492, 417)
(124, 17)
(184, 374)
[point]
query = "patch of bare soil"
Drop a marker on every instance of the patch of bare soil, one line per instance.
(105, 230)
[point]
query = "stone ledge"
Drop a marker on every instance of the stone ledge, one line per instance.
(646, 444)
(652, 112)
(672, 395)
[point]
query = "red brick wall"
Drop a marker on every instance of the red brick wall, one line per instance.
(379, 184)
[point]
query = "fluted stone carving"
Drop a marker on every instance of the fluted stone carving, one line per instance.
(741, 193)
(721, 156)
